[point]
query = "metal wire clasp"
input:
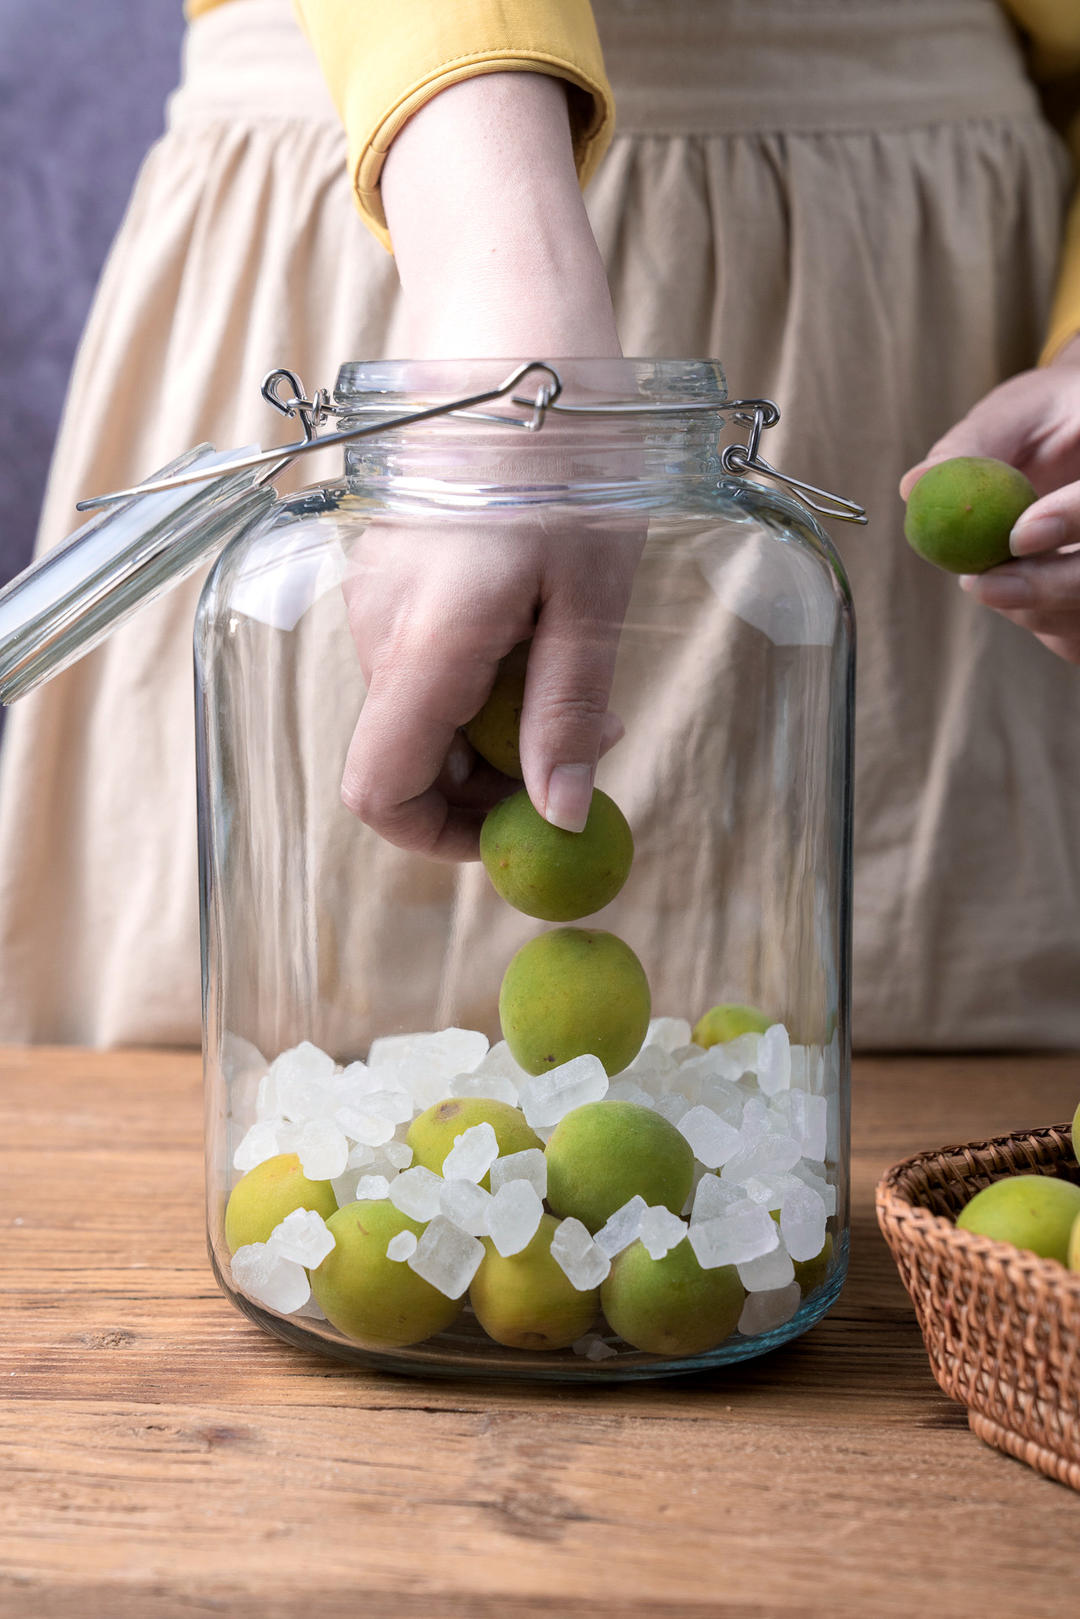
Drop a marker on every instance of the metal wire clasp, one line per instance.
(741, 458)
(757, 414)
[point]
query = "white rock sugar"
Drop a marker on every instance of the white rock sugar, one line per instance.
(713, 1140)
(621, 1228)
(494, 1086)
(422, 1064)
(401, 1247)
(546, 1098)
(672, 1106)
(446, 1257)
(628, 1090)
(259, 1144)
(472, 1155)
(744, 1232)
(268, 1278)
(763, 1312)
(669, 1033)
(768, 1190)
(661, 1231)
(769, 1272)
(466, 1205)
(372, 1188)
(713, 1198)
(398, 1154)
(513, 1216)
(774, 1060)
(302, 1237)
(599, 1350)
(366, 1129)
(529, 1165)
(802, 1222)
(807, 1121)
(814, 1176)
(771, 1155)
(322, 1149)
(582, 1262)
(417, 1193)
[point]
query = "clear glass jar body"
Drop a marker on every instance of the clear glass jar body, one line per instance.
(352, 987)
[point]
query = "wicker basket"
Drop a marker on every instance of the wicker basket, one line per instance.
(1001, 1326)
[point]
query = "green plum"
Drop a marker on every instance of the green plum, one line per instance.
(495, 731)
(380, 1302)
(572, 991)
(726, 1022)
(960, 513)
(527, 1301)
(262, 1198)
(1036, 1212)
(671, 1306)
(604, 1153)
(555, 875)
(433, 1132)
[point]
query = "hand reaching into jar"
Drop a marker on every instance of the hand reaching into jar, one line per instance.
(497, 260)
(1032, 422)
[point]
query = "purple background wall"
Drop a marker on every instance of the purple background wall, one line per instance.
(82, 89)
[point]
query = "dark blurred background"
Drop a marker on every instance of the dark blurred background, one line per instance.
(82, 92)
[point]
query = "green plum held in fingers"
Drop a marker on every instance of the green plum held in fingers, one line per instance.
(961, 512)
(551, 874)
(495, 732)
(573, 991)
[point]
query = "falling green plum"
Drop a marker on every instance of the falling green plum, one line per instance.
(555, 875)
(573, 991)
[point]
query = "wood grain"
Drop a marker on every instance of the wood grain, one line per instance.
(163, 1457)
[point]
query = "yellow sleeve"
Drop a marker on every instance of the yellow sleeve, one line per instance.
(382, 59)
(1052, 30)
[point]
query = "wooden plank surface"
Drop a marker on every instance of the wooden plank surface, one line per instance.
(161, 1456)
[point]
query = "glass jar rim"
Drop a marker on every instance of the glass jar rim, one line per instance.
(373, 384)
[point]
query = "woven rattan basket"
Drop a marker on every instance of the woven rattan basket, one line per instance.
(1001, 1326)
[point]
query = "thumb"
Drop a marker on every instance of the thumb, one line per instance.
(992, 428)
(565, 724)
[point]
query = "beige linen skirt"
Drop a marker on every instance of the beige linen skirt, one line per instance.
(858, 208)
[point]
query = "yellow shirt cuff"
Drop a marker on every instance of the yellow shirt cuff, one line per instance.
(383, 61)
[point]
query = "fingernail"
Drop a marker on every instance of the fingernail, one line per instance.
(1004, 589)
(1040, 534)
(569, 795)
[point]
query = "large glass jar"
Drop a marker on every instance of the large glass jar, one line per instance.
(637, 1163)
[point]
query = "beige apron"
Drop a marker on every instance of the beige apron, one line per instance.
(857, 207)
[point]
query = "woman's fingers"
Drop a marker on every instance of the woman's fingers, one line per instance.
(406, 759)
(565, 723)
(1048, 524)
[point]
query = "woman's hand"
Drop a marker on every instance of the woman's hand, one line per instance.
(497, 260)
(432, 609)
(1033, 422)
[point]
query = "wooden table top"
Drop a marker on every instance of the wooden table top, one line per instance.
(164, 1457)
